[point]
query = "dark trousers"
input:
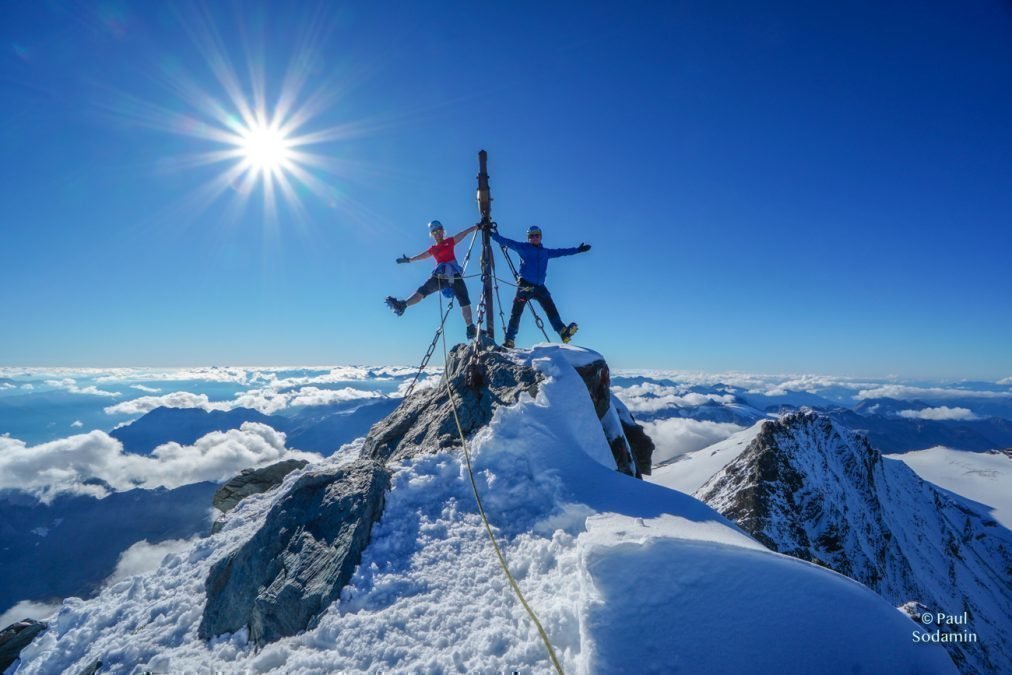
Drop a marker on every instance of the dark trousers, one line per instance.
(438, 283)
(525, 293)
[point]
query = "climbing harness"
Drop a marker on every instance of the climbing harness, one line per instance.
(513, 269)
(442, 322)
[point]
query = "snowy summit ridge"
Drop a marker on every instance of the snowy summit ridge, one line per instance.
(623, 574)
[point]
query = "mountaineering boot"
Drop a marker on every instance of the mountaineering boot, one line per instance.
(472, 332)
(568, 332)
(508, 343)
(398, 306)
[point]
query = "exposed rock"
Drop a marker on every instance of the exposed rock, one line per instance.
(282, 579)
(817, 491)
(252, 482)
(640, 445)
(424, 422)
(16, 637)
(91, 668)
(597, 377)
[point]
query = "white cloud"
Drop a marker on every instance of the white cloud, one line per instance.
(77, 424)
(27, 609)
(70, 385)
(1007, 380)
(651, 397)
(143, 557)
(267, 400)
(6, 385)
(65, 464)
(177, 399)
(205, 374)
(426, 381)
(145, 389)
(28, 386)
(677, 436)
(940, 413)
(904, 392)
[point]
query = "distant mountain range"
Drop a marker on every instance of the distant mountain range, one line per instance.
(321, 429)
(71, 545)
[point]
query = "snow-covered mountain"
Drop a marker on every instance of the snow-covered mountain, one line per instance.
(984, 477)
(626, 576)
(321, 429)
(809, 488)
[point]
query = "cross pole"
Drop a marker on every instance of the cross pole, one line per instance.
(487, 263)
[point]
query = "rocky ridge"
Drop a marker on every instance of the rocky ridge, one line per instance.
(281, 580)
(811, 489)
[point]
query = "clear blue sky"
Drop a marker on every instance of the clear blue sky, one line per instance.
(778, 187)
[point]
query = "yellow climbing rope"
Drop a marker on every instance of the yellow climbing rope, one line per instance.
(484, 517)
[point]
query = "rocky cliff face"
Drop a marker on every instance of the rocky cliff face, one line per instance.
(811, 489)
(281, 580)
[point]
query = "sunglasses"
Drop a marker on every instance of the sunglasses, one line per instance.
(536, 235)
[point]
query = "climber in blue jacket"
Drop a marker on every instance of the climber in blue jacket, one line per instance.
(531, 282)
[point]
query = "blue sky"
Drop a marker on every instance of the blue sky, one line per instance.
(785, 187)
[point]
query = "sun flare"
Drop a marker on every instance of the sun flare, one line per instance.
(264, 134)
(266, 149)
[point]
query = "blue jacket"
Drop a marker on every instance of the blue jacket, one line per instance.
(533, 259)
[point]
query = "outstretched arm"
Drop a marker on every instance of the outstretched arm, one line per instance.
(508, 243)
(421, 256)
(463, 233)
(559, 252)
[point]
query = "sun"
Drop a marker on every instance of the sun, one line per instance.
(266, 149)
(267, 135)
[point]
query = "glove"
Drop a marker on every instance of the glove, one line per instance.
(404, 259)
(583, 248)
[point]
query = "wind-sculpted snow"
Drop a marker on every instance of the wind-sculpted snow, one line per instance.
(625, 576)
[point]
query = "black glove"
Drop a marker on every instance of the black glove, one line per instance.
(404, 259)
(583, 248)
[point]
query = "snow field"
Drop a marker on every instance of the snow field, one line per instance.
(626, 576)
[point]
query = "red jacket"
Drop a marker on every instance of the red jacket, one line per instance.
(443, 253)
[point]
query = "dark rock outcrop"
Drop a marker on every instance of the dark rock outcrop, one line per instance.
(280, 581)
(16, 637)
(641, 445)
(424, 422)
(253, 482)
(91, 668)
